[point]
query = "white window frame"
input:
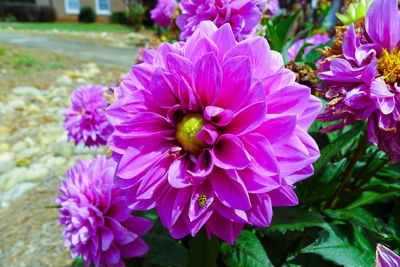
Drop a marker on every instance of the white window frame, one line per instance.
(69, 10)
(103, 12)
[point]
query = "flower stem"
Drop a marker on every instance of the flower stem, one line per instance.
(349, 170)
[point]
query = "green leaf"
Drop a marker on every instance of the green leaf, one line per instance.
(358, 216)
(367, 198)
(314, 55)
(165, 251)
(278, 32)
(380, 186)
(300, 54)
(203, 252)
(332, 149)
(283, 27)
(247, 251)
(294, 218)
(323, 184)
(334, 246)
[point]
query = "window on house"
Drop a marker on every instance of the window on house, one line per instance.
(103, 7)
(72, 6)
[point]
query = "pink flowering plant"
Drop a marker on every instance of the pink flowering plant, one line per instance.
(258, 139)
(85, 119)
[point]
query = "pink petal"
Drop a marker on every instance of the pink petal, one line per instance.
(290, 100)
(261, 151)
(135, 249)
(107, 238)
(261, 212)
(283, 196)
(208, 134)
(230, 189)
(278, 128)
(172, 204)
(207, 77)
(163, 88)
(247, 119)
(178, 177)
(235, 83)
(138, 225)
(223, 228)
(195, 211)
(224, 39)
(229, 153)
(218, 116)
(382, 23)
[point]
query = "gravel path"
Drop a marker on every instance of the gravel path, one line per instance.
(123, 57)
(34, 155)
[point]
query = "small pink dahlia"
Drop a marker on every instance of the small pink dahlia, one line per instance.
(385, 257)
(243, 16)
(163, 12)
(97, 221)
(361, 82)
(85, 120)
(213, 133)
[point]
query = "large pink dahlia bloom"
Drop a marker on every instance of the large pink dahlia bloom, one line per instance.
(97, 221)
(362, 82)
(212, 132)
(385, 257)
(85, 120)
(243, 16)
(163, 12)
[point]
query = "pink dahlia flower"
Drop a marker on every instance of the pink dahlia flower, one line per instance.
(85, 120)
(163, 12)
(97, 221)
(315, 40)
(243, 16)
(385, 257)
(362, 83)
(213, 133)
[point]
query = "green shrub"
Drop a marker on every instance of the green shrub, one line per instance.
(135, 15)
(87, 15)
(26, 12)
(118, 17)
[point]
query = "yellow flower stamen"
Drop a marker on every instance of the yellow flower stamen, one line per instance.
(187, 130)
(389, 66)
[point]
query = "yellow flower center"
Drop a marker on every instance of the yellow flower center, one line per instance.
(187, 130)
(389, 66)
(202, 201)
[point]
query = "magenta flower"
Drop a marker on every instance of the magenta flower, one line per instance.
(385, 257)
(163, 12)
(97, 221)
(85, 120)
(315, 40)
(213, 133)
(243, 16)
(361, 83)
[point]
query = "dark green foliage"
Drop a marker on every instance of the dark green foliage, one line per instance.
(247, 251)
(26, 12)
(118, 17)
(203, 252)
(87, 15)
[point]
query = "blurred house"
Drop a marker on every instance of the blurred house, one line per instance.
(68, 10)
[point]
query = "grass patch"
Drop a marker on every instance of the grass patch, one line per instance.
(15, 60)
(84, 27)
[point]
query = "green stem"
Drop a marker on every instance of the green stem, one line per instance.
(349, 170)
